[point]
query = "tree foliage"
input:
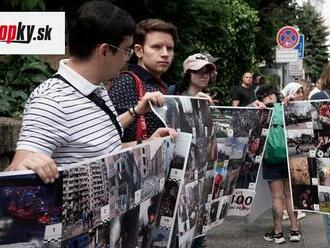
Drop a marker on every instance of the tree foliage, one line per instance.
(273, 15)
(19, 5)
(18, 77)
(311, 23)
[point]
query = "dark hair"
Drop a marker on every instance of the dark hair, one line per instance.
(187, 79)
(153, 25)
(305, 83)
(255, 77)
(264, 91)
(325, 77)
(98, 22)
(185, 82)
(262, 80)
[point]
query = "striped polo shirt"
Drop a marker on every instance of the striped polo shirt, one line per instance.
(61, 122)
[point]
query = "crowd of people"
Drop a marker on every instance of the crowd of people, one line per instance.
(92, 106)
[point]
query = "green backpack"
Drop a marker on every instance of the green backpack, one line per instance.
(275, 152)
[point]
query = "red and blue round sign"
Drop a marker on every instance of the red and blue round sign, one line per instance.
(287, 37)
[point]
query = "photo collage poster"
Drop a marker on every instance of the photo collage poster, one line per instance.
(241, 135)
(307, 125)
(151, 224)
(192, 115)
(83, 206)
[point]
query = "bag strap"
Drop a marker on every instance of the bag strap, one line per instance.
(98, 101)
(139, 87)
(141, 131)
(162, 87)
(327, 94)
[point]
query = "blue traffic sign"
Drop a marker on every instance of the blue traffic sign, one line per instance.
(301, 46)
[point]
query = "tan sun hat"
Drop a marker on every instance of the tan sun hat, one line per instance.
(196, 62)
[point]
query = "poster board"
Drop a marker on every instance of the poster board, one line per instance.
(308, 141)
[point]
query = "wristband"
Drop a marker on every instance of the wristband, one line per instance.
(136, 114)
(132, 112)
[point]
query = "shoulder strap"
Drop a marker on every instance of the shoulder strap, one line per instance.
(141, 131)
(138, 82)
(98, 101)
(326, 93)
(139, 87)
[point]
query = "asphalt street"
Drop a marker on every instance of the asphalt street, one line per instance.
(235, 232)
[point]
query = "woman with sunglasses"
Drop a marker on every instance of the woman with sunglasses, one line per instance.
(197, 75)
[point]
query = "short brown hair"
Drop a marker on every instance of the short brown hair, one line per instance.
(325, 77)
(307, 85)
(153, 25)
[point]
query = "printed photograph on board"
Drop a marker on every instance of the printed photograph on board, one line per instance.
(323, 171)
(300, 171)
(298, 115)
(300, 142)
(85, 190)
(324, 199)
(28, 208)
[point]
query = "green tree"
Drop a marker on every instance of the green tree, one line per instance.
(311, 24)
(19, 75)
(273, 14)
(26, 5)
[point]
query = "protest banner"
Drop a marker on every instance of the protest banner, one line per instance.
(192, 115)
(241, 135)
(95, 203)
(223, 164)
(308, 141)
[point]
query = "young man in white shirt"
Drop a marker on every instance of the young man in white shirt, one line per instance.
(61, 124)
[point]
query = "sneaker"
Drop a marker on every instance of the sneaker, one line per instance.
(272, 237)
(301, 215)
(295, 236)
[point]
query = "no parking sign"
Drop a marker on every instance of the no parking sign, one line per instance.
(287, 37)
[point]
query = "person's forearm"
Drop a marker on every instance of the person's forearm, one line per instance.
(159, 133)
(133, 143)
(125, 119)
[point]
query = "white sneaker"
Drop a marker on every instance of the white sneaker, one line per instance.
(295, 236)
(301, 215)
(272, 237)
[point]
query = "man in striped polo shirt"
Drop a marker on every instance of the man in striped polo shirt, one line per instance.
(62, 123)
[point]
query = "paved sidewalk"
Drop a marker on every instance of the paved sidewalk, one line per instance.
(236, 233)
